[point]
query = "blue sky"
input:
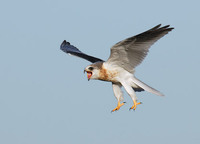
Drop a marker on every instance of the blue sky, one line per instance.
(46, 98)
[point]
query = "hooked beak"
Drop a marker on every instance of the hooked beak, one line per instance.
(89, 74)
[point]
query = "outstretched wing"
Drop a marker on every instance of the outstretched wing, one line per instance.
(72, 50)
(130, 52)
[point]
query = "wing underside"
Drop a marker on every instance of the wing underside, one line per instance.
(130, 52)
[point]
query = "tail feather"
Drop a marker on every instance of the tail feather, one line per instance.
(146, 87)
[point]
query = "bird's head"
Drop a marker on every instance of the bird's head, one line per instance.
(93, 71)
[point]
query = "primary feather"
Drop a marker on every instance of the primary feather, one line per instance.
(130, 52)
(70, 49)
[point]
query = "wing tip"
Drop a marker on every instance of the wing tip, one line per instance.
(156, 27)
(63, 44)
(166, 27)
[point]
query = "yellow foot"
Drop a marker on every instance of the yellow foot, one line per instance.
(118, 106)
(135, 103)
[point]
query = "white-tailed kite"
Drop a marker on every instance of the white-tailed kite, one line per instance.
(120, 66)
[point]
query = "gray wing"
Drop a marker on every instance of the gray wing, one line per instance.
(70, 49)
(130, 52)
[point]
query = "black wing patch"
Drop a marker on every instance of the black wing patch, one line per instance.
(70, 49)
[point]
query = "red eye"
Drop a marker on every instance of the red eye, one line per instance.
(91, 68)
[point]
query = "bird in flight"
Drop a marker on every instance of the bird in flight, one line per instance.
(120, 66)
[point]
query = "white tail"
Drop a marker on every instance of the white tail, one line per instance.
(146, 87)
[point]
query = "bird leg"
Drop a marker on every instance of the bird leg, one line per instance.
(118, 106)
(135, 103)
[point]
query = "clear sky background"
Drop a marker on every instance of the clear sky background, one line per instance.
(46, 99)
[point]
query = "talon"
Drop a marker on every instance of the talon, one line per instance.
(118, 106)
(135, 103)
